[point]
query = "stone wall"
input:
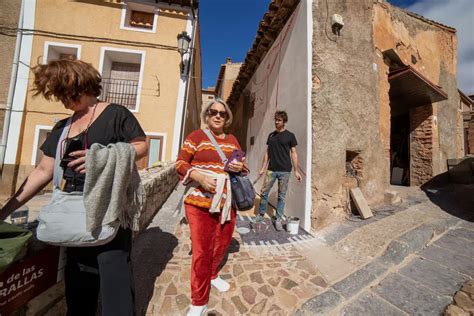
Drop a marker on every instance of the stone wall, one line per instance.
(430, 48)
(158, 183)
(421, 144)
(351, 103)
(346, 110)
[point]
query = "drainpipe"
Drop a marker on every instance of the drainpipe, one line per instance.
(11, 88)
(188, 71)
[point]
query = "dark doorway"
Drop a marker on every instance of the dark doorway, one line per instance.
(400, 149)
(411, 112)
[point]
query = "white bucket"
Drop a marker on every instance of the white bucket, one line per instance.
(293, 225)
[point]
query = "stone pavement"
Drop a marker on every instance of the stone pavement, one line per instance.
(409, 259)
(411, 262)
(273, 279)
(463, 304)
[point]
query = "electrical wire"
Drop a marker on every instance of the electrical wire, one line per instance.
(34, 111)
(10, 31)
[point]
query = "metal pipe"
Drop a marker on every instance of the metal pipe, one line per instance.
(190, 64)
(11, 88)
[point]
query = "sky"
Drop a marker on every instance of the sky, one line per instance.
(460, 15)
(228, 29)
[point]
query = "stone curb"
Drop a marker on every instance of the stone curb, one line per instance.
(320, 304)
(397, 250)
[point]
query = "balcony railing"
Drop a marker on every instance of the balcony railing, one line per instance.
(121, 91)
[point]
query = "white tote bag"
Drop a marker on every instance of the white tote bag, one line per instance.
(62, 222)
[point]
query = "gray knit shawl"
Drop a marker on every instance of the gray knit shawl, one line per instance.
(112, 189)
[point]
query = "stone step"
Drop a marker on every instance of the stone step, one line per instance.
(331, 265)
(343, 297)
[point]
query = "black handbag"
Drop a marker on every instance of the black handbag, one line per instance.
(243, 192)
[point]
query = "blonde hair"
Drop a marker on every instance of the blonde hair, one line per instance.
(204, 115)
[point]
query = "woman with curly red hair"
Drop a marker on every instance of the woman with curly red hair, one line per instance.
(89, 270)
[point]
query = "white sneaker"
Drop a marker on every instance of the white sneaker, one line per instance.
(220, 284)
(196, 310)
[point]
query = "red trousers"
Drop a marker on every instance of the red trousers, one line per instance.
(210, 240)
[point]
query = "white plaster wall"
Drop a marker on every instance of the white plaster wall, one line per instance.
(21, 86)
(281, 82)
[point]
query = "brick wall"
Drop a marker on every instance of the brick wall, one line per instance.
(421, 144)
(470, 132)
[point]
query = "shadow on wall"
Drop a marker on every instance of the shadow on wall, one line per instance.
(453, 191)
(152, 250)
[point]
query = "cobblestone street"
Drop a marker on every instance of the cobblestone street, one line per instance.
(409, 260)
(264, 279)
(270, 279)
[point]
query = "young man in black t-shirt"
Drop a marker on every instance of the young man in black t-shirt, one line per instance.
(280, 154)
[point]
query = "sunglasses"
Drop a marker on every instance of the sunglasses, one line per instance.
(212, 112)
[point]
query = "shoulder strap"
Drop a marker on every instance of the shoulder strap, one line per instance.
(58, 171)
(216, 145)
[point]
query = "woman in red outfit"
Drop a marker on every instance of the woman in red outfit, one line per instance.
(200, 166)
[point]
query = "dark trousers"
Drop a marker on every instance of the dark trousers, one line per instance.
(103, 269)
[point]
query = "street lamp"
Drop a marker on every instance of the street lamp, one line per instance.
(183, 46)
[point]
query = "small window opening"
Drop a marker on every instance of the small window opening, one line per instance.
(141, 19)
(354, 164)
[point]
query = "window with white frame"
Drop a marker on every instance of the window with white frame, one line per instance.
(139, 16)
(57, 51)
(156, 147)
(122, 72)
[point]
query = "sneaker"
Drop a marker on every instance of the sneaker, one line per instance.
(196, 310)
(278, 224)
(259, 218)
(220, 284)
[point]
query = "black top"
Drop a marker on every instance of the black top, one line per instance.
(115, 124)
(279, 146)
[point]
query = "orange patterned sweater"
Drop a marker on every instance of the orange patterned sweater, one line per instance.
(198, 152)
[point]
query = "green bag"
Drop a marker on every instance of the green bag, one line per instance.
(13, 243)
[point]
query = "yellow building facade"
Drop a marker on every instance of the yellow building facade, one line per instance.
(134, 47)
